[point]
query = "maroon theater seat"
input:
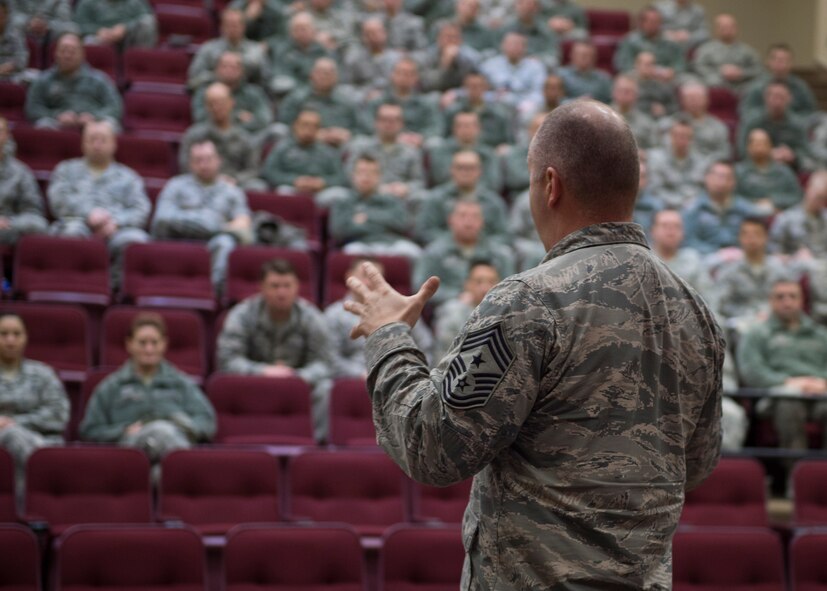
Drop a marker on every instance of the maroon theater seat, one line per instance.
(446, 504)
(186, 338)
(808, 568)
(723, 103)
(138, 558)
(261, 410)
(13, 102)
(157, 116)
(100, 57)
(71, 485)
(289, 558)
(733, 495)
(150, 158)
(421, 558)
(168, 274)
(612, 23)
(59, 335)
(810, 493)
(53, 269)
(299, 210)
(244, 272)
(19, 559)
(43, 149)
(183, 25)
(156, 69)
(397, 273)
(213, 490)
(606, 47)
(717, 559)
(8, 507)
(363, 489)
(351, 414)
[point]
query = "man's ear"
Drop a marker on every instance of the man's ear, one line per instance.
(554, 188)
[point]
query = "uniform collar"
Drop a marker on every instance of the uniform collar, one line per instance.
(599, 235)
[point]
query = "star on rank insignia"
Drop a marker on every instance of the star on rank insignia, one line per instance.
(477, 369)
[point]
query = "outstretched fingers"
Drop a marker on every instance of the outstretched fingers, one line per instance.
(374, 277)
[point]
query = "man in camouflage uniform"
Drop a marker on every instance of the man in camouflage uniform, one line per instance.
(476, 34)
(711, 135)
(293, 57)
(238, 149)
(541, 41)
(676, 172)
(340, 115)
(275, 333)
(582, 77)
(568, 393)
(465, 136)
(406, 31)
(449, 256)
(725, 61)
(801, 231)
(770, 185)
(14, 52)
(403, 175)
(787, 353)
(264, 18)
(566, 18)
(203, 206)
(34, 408)
(348, 355)
(496, 121)
(41, 17)
(649, 37)
(779, 64)
(684, 22)
(448, 61)
(123, 23)
(625, 94)
(21, 206)
(367, 65)
(515, 175)
(465, 185)
(70, 94)
(253, 56)
(301, 163)
(147, 403)
(97, 196)
(656, 97)
(251, 106)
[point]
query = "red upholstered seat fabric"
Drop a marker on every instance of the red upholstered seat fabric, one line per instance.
(156, 115)
(8, 509)
(397, 274)
(244, 272)
(351, 415)
(214, 489)
(299, 210)
(261, 410)
(13, 102)
(139, 558)
(286, 558)
(182, 25)
(421, 558)
(71, 485)
(810, 492)
(717, 559)
(156, 69)
(808, 568)
(19, 559)
(615, 23)
(446, 504)
(44, 149)
(363, 489)
(733, 495)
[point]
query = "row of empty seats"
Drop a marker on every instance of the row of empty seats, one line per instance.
(214, 488)
(274, 557)
(172, 274)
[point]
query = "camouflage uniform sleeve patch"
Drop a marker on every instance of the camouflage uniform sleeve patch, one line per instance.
(477, 369)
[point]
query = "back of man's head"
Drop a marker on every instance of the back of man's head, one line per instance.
(593, 151)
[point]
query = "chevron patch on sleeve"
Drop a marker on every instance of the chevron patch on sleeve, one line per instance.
(477, 369)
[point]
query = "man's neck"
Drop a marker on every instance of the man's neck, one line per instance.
(10, 365)
(279, 315)
(666, 253)
(755, 259)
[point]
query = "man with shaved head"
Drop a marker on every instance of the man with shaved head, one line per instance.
(583, 395)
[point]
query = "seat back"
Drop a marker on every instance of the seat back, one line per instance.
(607, 22)
(810, 500)
(299, 210)
(215, 489)
(446, 504)
(733, 495)
(351, 414)
(427, 558)
(149, 157)
(8, 507)
(717, 559)
(173, 274)
(397, 274)
(364, 489)
(285, 558)
(258, 409)
(58, 335)
(44, 149)
(130, 557)
(159, 115)
(156, 68)
(244, 271)
(182, 25)
(186, 338)
(48, 268)
(808, 569)
(13, 102)
(19, 559)
(71, 485)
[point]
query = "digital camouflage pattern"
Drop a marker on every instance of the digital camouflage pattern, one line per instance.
(590, 402)
(86, 91)
(20, 200)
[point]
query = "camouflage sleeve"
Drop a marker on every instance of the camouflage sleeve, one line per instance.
(753, 361)
(318, 357)
(703, 448)
(232, 343)
(445, 426)
(86, 17)
(52, 412)
(37, 107)
(29, 216)
(97, 424)
(198, 416)
(131, 210)
(64, 199)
